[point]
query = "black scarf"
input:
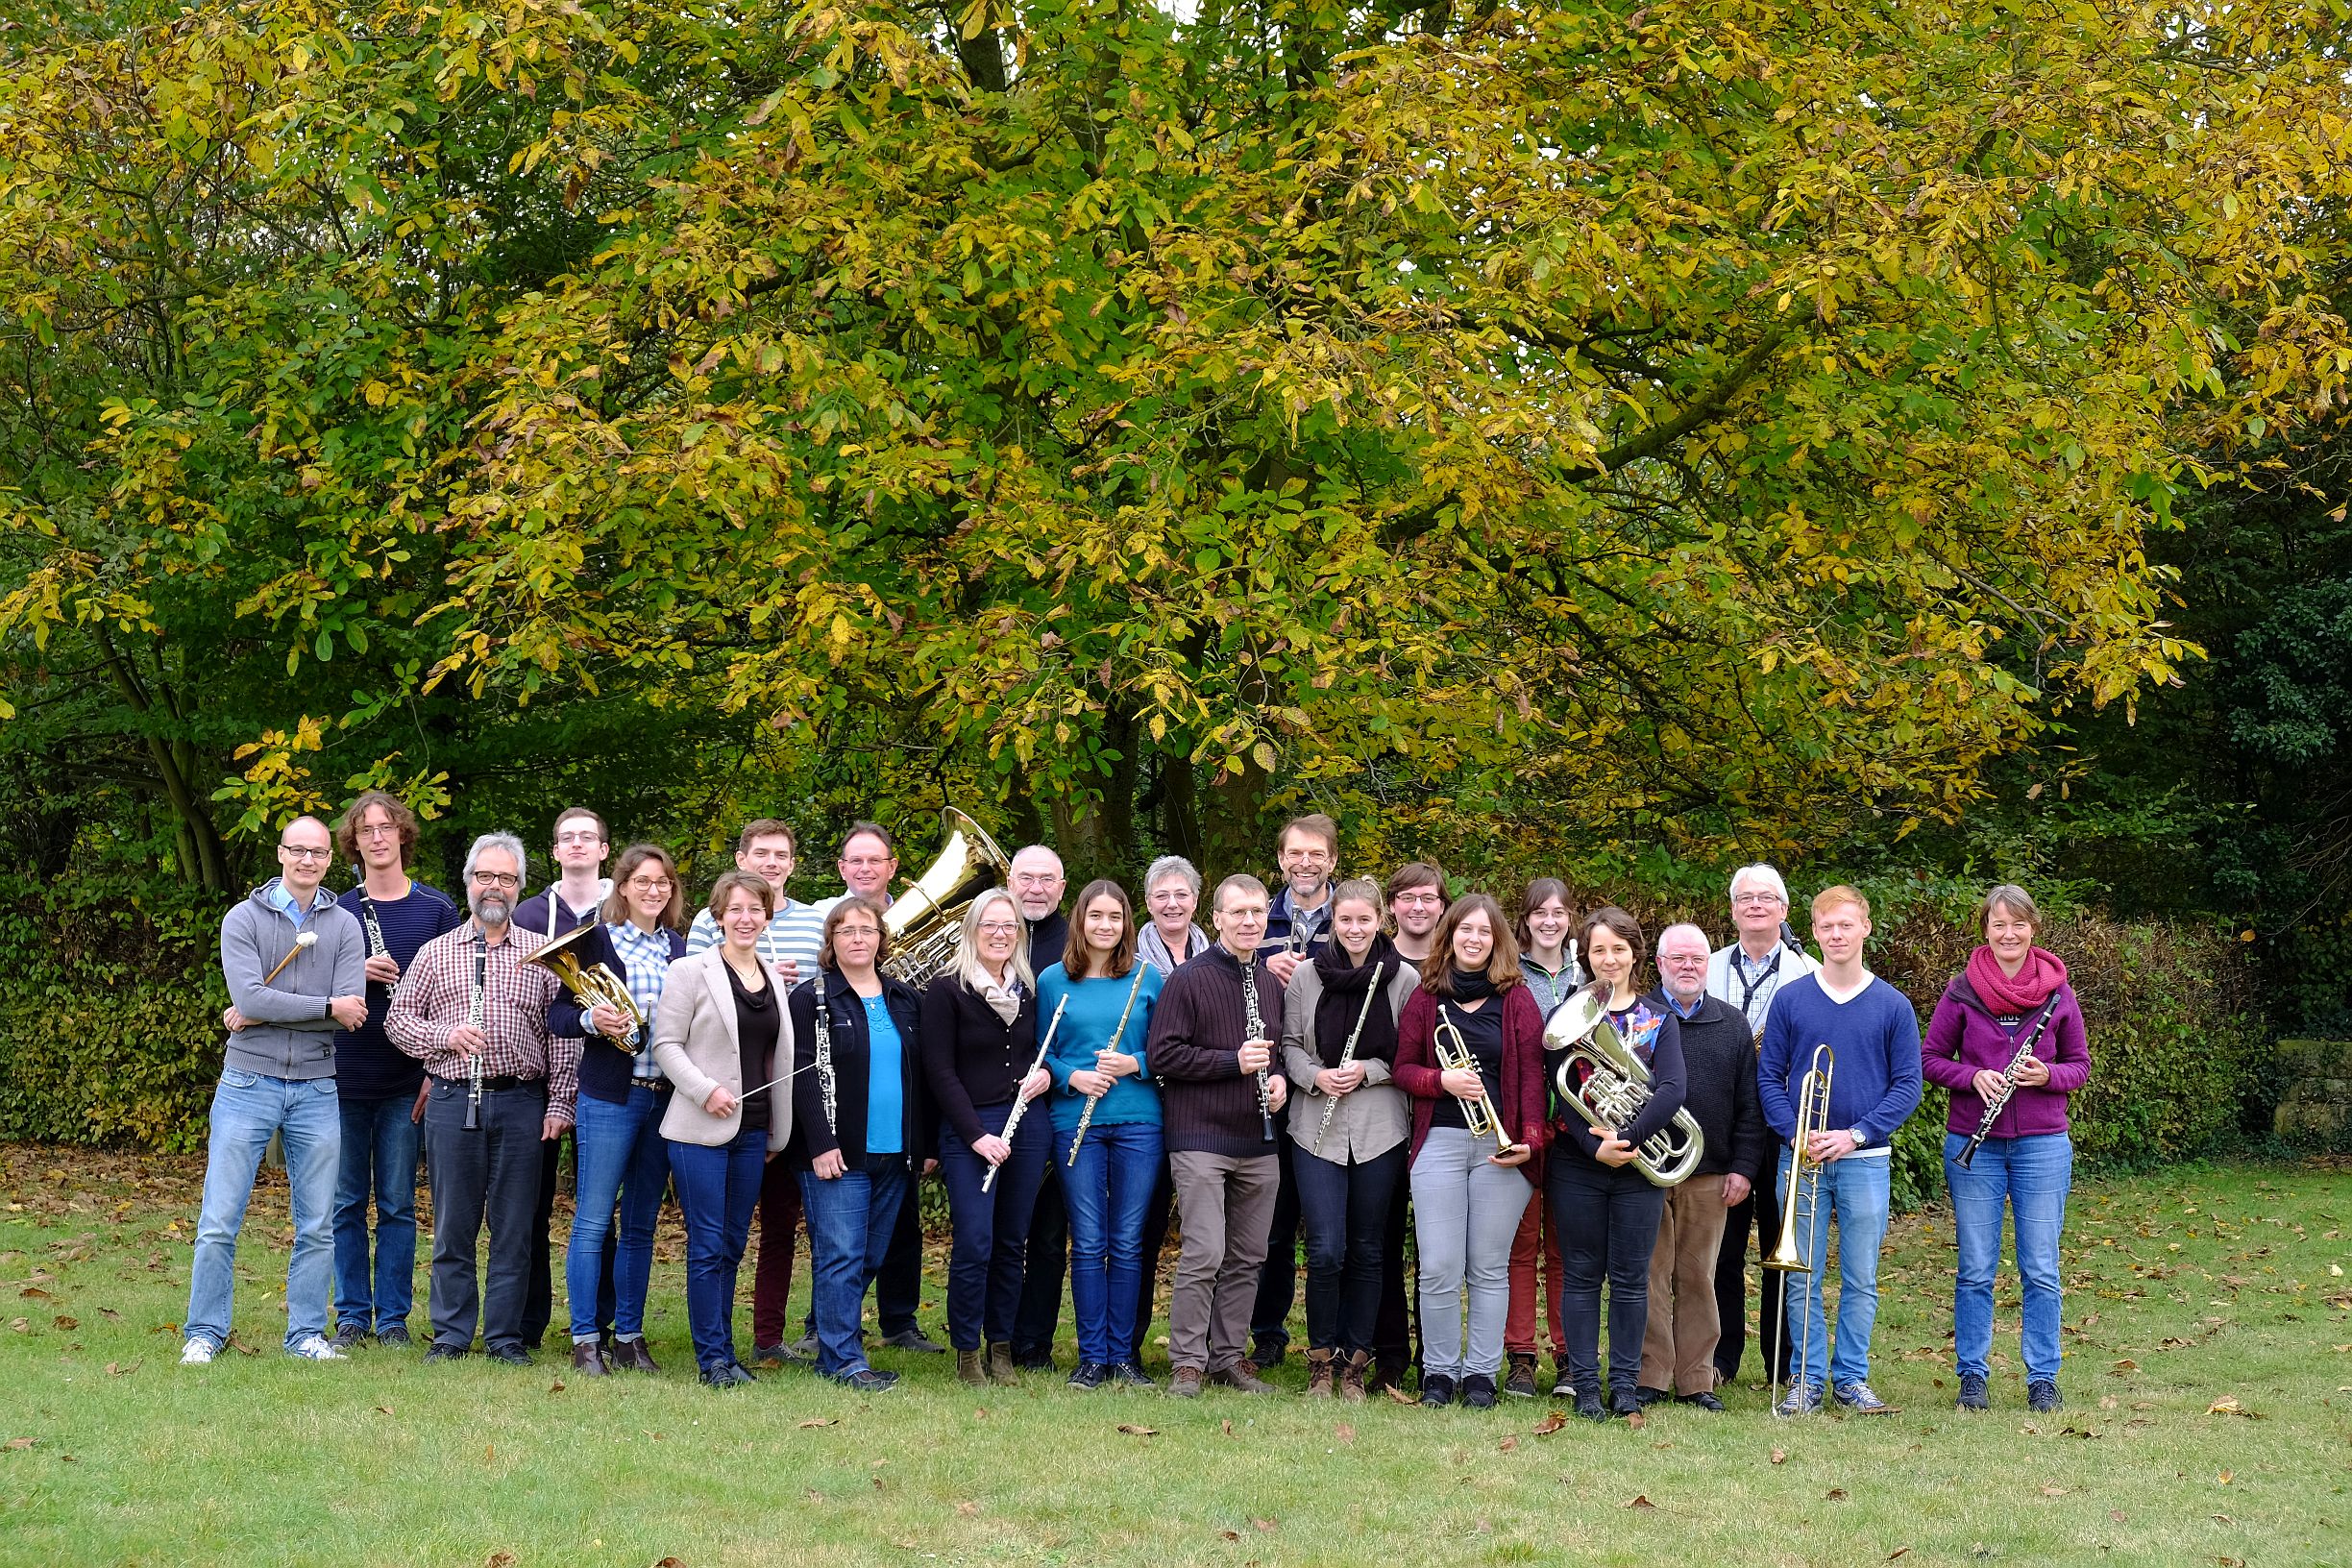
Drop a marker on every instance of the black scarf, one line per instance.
(1471, 984)
(1343, 1000)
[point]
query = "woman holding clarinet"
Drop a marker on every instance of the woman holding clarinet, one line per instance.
(1106, 1126)
(983, 1062)
(2007, 1039)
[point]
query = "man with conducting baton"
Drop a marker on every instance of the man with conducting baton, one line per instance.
(296, 965)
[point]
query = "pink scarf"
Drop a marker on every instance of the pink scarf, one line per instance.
(2043, 972)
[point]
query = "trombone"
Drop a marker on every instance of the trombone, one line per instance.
(1803, 1191)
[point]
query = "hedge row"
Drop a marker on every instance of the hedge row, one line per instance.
(109, 1023)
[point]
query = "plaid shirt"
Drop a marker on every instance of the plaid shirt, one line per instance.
(647, 959)
(435, 995)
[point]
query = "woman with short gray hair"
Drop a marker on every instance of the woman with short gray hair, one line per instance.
(1171, 895)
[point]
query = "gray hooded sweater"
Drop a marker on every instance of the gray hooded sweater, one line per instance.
(288, 1032)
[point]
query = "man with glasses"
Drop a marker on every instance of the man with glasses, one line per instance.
(574, 899)
(296, 965)
(1750, 974)
(378, 1088)
(1038, 882)
(468, 1002)
(1719, 1071)
(868, 861)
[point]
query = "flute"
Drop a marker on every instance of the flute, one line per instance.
(1347, 1055)
(1086, 1117)
(1255, 1027)
(1013, 1120)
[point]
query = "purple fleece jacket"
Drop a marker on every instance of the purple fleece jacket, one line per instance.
(1965, 1036)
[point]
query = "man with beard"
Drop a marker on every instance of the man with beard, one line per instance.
(502, 1085)
(1038, 882)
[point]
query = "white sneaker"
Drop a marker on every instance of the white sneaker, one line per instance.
(316, 1348)
(196, 1353)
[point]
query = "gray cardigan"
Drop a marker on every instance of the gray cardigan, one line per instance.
(694, 1041)
(288, 1032)
(1368, 1122)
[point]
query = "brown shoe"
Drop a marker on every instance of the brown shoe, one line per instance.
(1352, 1377)
(588, 1360)
(1185, 1383)
(632, 1355)
(1318, 1374)
(1242, 1378)
(970, 1368)
(1000, 1367)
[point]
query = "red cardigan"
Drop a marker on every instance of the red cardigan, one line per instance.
(1522, 1104)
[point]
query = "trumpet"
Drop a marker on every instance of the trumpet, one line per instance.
(1452, 1054)
(1615, 1088)
(1803, 1191)
(591, 985)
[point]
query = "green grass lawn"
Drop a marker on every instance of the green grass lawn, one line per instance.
(2186, 1290)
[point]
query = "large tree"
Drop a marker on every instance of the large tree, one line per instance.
(1637, 426)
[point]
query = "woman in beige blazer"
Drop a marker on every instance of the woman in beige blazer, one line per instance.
(723, 1039)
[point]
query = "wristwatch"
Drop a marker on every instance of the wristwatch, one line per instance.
(1861, 1139)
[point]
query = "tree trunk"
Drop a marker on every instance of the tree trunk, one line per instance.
(1234, 838)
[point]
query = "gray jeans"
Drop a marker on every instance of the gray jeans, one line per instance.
(1465, 1216)
(1226, 1204)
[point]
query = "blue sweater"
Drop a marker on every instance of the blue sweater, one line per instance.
(1087, 1024)
(1875, 1084)
(368, 1065)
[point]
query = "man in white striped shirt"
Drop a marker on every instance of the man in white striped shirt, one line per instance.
(768, 849)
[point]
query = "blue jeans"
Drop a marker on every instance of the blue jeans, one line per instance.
(2031, 1177)
(989, 1251)
(850, 1220)
(1108, 1194)
(379, 1161)
(246, 1108)
(623, 1158)
(718, 1187)
(1854, 1194)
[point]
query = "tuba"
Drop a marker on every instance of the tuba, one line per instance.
(1616, 1088)
(591, 985)
(924, 923)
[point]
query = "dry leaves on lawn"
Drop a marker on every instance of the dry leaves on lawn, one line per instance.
(1643, 1502)
(1134, 1430)
(820, 1421)
(1551, 1424)
(2227, 1405)
(1780, 1456)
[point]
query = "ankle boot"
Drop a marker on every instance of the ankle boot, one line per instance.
(1000, 1367)
(1318, 1374)
(1352, 1377)
(968, 1368)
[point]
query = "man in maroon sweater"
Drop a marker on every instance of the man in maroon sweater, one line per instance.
(1221, 1152)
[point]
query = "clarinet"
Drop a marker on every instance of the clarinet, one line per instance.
(1086, 1117)
(1347, 1055)
(374, 931)
(1255, 1027)
(825, 1052)
(1999, 1102)
(1013, 1120)
(474, 1016)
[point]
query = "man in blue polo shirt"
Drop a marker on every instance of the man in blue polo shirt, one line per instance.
(1874, 1090)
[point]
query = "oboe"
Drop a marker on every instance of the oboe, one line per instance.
(1255, 1027)
(1347, 1055)
(825, 1052)
(1013, 1120)
(1086, 1117)
(474, 1016)
(1999, 1102)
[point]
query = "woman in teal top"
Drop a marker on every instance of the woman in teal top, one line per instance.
(1106, 1117)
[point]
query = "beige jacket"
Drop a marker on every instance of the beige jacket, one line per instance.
(694, 1041)
(1366, 1124)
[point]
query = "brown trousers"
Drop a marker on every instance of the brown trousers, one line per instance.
(1225, 1205)
(1678, 1349)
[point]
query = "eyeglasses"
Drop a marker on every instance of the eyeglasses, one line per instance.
(998, 928)
(1034, 879)
(869, 931)
(581, 837)
(304, 852)
(638, 884)
(376, 830)
(1682, 958)
(497, 879)
(1760, 898)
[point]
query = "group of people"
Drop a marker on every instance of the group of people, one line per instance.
(1365, 1065)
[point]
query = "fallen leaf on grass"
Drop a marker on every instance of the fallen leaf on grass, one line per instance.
(383, 1409)
(1263, 1526)
(1227, 1426)
(1134, 1430)
(2128, 1367)
(2053, 1491)
(2227, 1405)
(19, 1442)
(820, 1421)
(557, 1387)
(68, 1324)
(1345, 1433)
(2225, 1519)
(34, 1293)
(1780, 1456)
(1837, 1494)
(1229, 1535)
(1643, 1502)
(1391, 1390)
(1636, 1421)
(1897, 1553)
(115, 1369)
(671, 1562)
(1551, 1424)
(2227, 1477)
(967, 1510)
(500, 1559)
(2118, 1515)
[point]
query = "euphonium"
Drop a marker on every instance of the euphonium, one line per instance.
(591, 985)
(925, 922)
(1452, 1053)
(1616, 1088)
